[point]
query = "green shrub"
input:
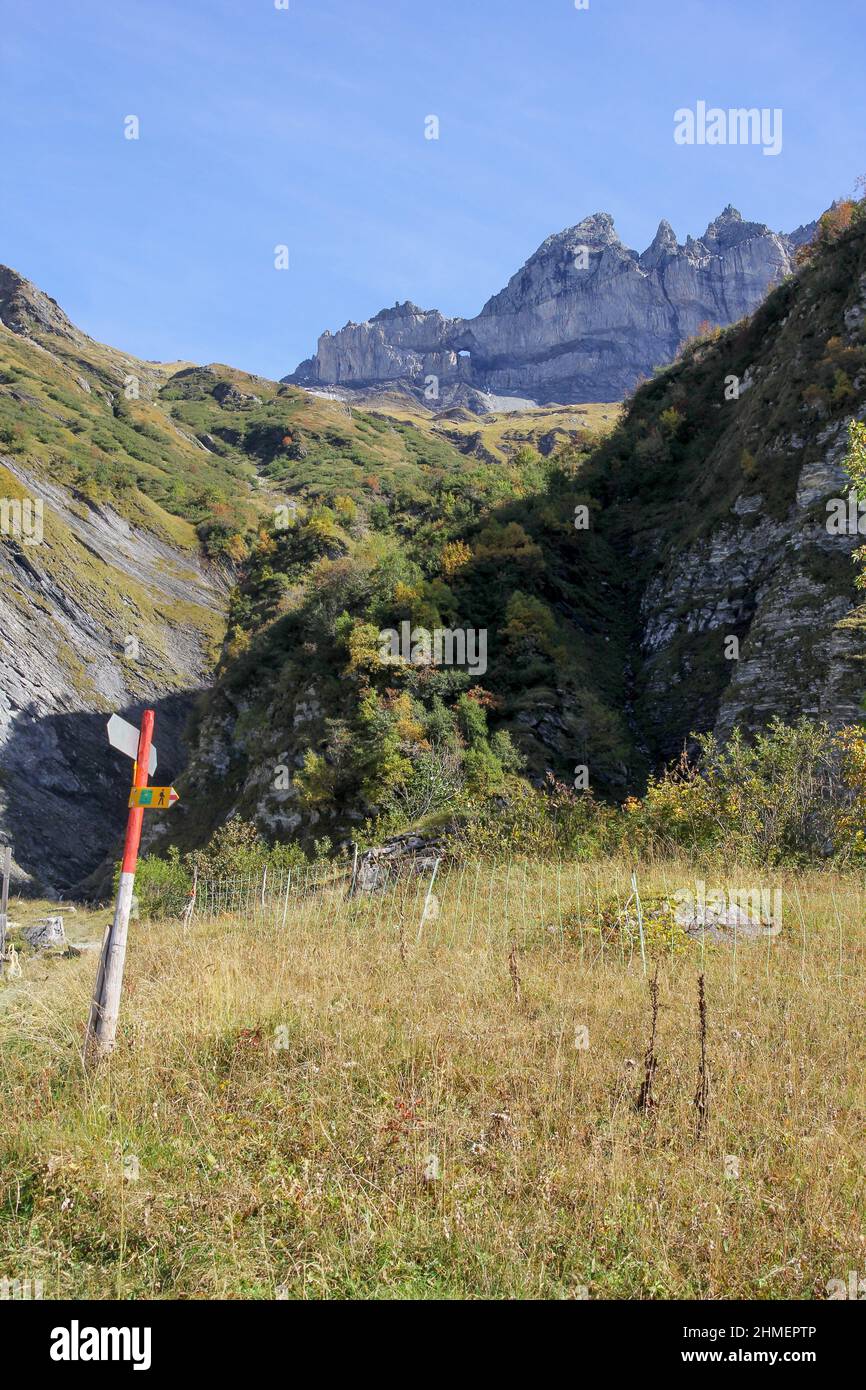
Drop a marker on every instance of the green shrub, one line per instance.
(163, 886)
(236, 850)
(794, 794)
(519, 819)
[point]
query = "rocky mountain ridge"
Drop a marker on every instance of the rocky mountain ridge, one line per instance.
(583, 320)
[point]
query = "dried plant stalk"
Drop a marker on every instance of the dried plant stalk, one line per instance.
(702, 1094)
(515, 974)
(646, 1100)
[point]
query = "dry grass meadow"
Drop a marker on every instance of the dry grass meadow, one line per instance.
(358, 1104)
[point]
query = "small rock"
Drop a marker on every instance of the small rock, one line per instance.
(403, 855)
(48, 931)
(727, 922)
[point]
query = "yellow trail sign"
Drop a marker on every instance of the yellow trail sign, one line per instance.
(153, 798)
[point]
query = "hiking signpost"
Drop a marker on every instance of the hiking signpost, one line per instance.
(125, 737)
(104, 1010)
(153, 798)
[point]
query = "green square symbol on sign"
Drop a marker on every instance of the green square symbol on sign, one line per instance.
(146, 798)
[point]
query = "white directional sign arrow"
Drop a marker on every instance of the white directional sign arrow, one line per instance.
(125, 737)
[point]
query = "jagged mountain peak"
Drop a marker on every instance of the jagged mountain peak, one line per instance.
(596, 230)
(405, 310)
(665, 231)
(582, 320)
(728, 214)
(729, 229)
(664, 243)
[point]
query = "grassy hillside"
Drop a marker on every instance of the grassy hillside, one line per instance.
(65, 414)
(307, 445)
(364, 1105)
(499, 435)
(220, 448)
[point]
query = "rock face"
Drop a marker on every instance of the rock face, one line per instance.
(66, 607)
(783, 587)
(26, 309)
(583, 319)
(750, 611)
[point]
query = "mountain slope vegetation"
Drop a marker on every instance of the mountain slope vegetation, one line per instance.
(153, 484)
(633, 579)
(699, 590)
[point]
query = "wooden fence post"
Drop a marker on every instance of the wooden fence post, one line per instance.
(4, 903)
(286, 903)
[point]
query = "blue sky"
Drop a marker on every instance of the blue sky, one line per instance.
(305, 127)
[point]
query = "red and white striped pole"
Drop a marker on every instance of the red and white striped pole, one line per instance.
(105, 1008)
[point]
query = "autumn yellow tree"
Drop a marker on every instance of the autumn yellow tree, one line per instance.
(455, 555)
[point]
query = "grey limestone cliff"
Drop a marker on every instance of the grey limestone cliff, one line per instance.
(583, 320)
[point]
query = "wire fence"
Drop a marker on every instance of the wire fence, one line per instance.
(267, 897)
(605, 912)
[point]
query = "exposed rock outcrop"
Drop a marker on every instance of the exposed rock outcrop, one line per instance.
(748, 608)
(408, 855)
(105, 602)
(582, 320)
(28, 310)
